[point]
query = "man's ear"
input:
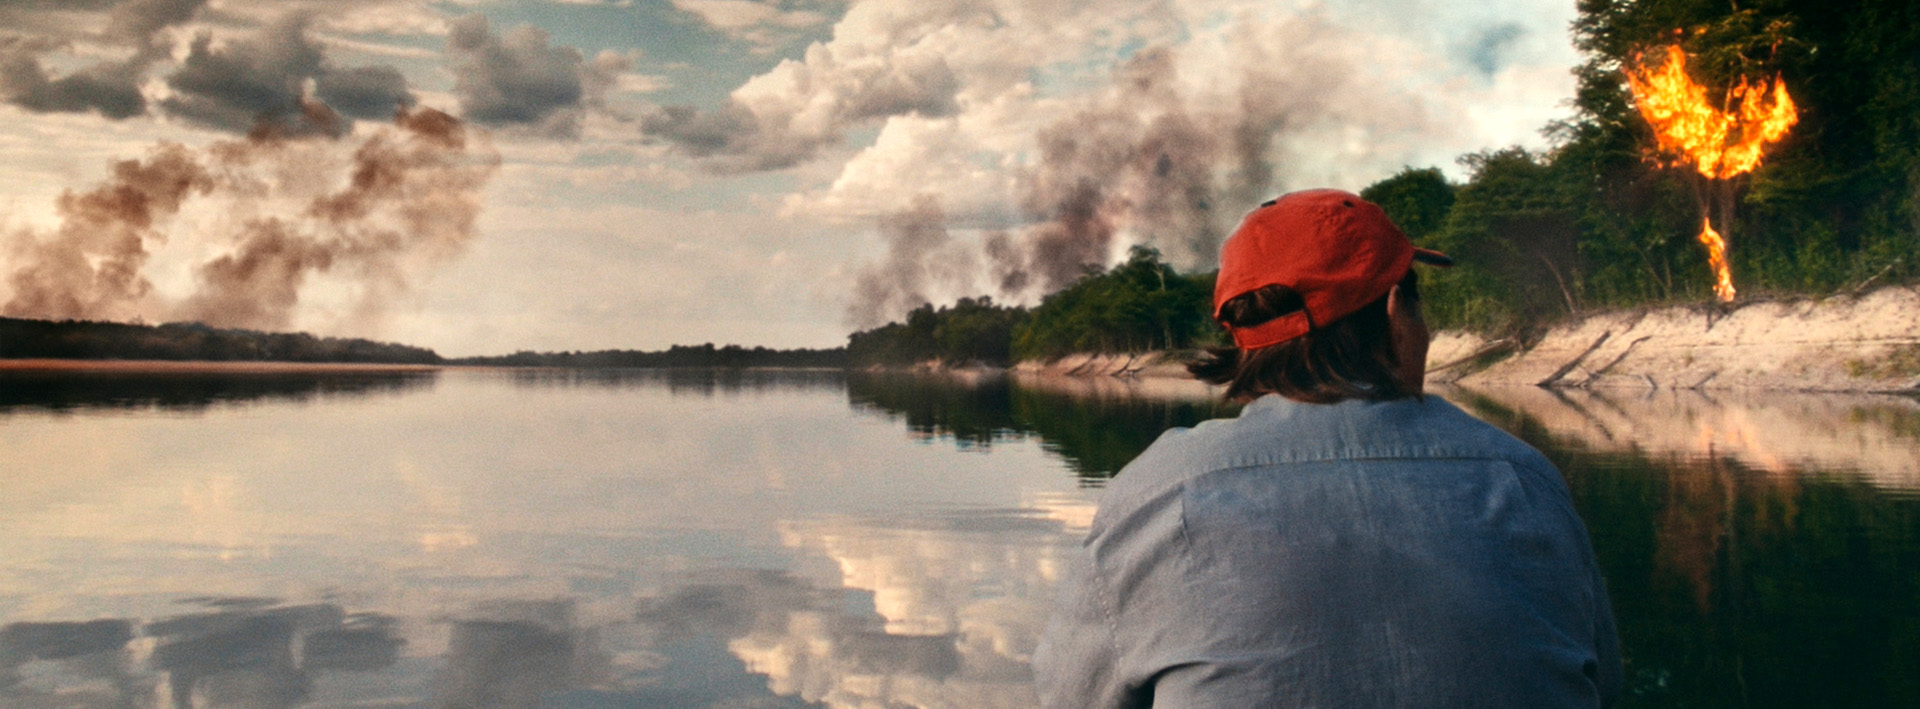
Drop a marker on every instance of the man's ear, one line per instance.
(1398, 305)
(1409, 338)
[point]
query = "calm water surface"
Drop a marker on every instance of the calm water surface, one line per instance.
(791, 539)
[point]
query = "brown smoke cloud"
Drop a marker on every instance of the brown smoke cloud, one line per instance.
(921, 256)
(91, 266)
(1134, 158)
(1150, 160)
(408, 200)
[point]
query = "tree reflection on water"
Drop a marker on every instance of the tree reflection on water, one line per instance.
(696, 381)
(193, 390)
(1775, 567)
(1096, 426)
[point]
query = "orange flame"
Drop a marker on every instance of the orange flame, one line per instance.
(1717, 257)
(1720, 144)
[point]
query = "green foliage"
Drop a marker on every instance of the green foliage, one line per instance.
(1597, 221)
(971, 330)
(704, 356)
(73, 339)
(1514, 235)
(1416, 199)
(1835, 202)
(1141, 304)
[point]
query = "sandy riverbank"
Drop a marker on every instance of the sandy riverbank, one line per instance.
(1864, 343)
(1144, 364)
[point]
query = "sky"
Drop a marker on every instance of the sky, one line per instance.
(488, 176)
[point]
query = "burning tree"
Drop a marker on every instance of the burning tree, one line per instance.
(1720, 142)
(1599, 224)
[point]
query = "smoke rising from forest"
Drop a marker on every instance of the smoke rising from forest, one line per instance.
(405, 197)
(921, 256)
(1151, 159)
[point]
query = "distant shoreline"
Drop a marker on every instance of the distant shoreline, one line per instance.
(203, 366)
(1867, 342)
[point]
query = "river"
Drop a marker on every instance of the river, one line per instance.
(513, 538)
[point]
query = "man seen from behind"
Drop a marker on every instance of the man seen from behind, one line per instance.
(1346, 541)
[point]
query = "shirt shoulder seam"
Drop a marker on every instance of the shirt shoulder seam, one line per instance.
(1266, 462)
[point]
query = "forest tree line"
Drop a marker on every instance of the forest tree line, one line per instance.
(1140, 304)
(76, 339)
(1595, 220)
(677, 356)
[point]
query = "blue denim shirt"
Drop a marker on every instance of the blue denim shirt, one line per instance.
(1360, 554)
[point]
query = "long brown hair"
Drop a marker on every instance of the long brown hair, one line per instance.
(1350, 358)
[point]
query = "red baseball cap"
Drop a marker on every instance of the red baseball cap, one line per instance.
(1338, 251)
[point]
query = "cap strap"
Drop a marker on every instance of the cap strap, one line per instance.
(1272, 332)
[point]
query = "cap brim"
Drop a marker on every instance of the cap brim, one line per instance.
(1431, 257)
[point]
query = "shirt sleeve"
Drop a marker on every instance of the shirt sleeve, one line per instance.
(1076, 662)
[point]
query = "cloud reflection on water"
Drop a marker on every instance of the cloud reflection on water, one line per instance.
(933, 610)
(249, 653)
(961, 598)
(514, 654)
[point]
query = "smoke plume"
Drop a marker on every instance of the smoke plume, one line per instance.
(91, 267)
(1152, 160)
(1134, 158)
(1159, 157)
(921, 255)
(408, 200)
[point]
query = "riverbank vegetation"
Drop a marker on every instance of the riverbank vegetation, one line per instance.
(84, 340)
(1138, 305)
(77, 339)
(704, 356)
